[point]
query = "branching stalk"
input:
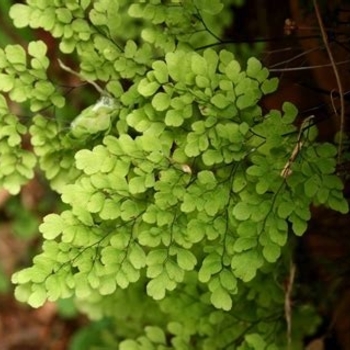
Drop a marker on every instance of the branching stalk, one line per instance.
(337, 77)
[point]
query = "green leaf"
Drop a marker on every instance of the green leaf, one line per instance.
(64, 15)
(253, 67)
(160, 72)
(137, 256)
(228, 280)
(57, 100)
(137, 185)
(22, 276)
(256, 341)
(247, 229)
(221, 299)
(85, 4)
(326, 165)
(16, 54)
(256, 170)
(206, 177)
(157, 287)
(7, 82)
(219, 100)
(271, 252)
(285, 208)
(22, 292)
(233, 70)
(147, 88)
(322, 195)
(129, 146)
(244, 243)
(332, 182)
(239, 182)
(245, 101)
(20, 14)
(339, 204)
(199, 65)
(189, 203)
(21, 94)
(262, 75)
(185, 259)
(269, 85)
(211, 6)
(290, 112)
(245, 265)
(130, 49)
(37, 49)
(92, 162)
(263, 185)
(312, 185)
(299, 225)
(96, 202)
(203, 82)
(326, 150)
(43, 89)
(174, 272)
(52, 226)
(196, 230)
(161, 101)
(129, 345)
(129, 210)
(241, 211)
(174, 117)
(211, 157)
(211, 265)
(38, 296)
(3, 104)
(155, 334)
(156, 257)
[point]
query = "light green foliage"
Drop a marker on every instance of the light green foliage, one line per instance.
(24, 77)
(16, 163)
(181, 195)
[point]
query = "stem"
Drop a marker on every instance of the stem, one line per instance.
(337, 77)
(70, 70)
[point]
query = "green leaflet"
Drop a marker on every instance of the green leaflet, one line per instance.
(242, 211)
(221, 299)
(185, 259)
(99, 159)
(255, 341)
(153, 336)
(161, 101)
(211, 265)
(246, 264)
(20, 14)
(157, 287)
(137, 256)
(52, 226)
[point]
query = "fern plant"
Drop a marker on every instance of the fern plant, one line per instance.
(183, 198)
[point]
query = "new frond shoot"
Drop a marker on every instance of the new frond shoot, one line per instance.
(182, 196)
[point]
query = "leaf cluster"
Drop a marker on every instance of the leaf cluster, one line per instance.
(182, 196)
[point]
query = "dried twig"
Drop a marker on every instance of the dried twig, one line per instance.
(294, 69)
(286, 171)
(337, 77)
(288, 303)
(70, 70)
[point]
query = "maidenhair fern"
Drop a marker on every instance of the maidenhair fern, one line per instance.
(182, 195)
